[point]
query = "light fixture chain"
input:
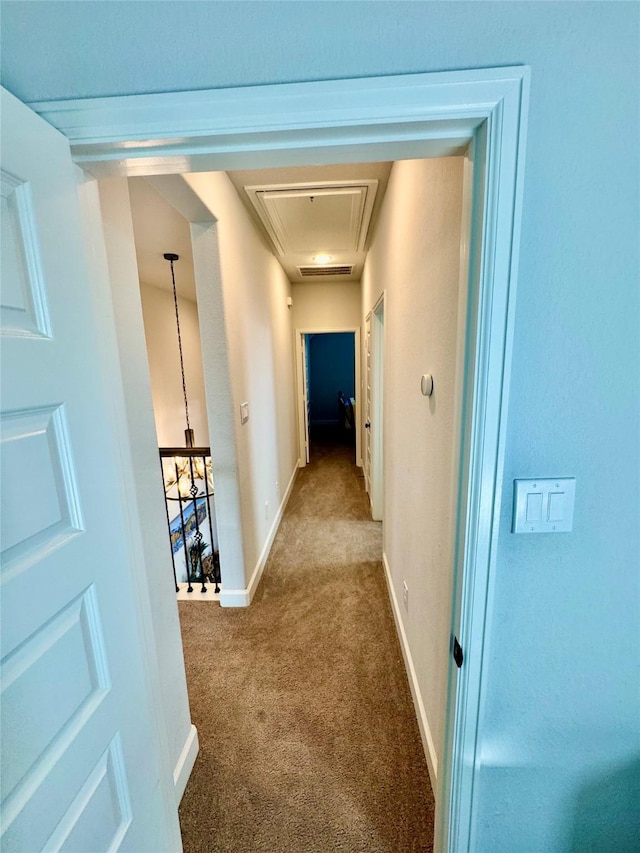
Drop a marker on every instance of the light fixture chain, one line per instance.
(184, 383)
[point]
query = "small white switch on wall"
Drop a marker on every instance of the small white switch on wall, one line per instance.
(543, 506)
(244, 413)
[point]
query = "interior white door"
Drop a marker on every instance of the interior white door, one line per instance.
(376, 405)
(81, 766)
(366, 456)
(305, 395)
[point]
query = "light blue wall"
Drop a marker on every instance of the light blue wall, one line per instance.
(560, 726)
(331, 369)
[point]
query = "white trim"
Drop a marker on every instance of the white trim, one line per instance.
(366, 405)
(379, 118)
(224, 128)
(379, 302)
(301, 395)
(378, 351)
(184, 765)
(423, 722)
(244, 597)
(495, 232)
(459, 468)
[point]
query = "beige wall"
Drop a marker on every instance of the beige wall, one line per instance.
(327, 305)
(260, 358)
(164, 366)
(415, 258)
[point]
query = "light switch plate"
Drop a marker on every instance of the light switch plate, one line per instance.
(543, 505)
(244, 413)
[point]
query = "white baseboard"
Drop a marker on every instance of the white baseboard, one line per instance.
(187, 759)
(423, 723)
(243, 597)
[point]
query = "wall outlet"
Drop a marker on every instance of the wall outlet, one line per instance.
(405, 595)
(277, 489)
(266, 510)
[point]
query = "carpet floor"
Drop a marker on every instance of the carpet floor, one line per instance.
(308, 737)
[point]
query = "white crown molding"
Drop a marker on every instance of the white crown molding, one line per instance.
(223, 128)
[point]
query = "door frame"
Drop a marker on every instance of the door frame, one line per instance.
(376, 437)
(366, 403)
(393, 117)
(300, 380)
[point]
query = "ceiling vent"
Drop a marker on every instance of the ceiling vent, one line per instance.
(326, 269)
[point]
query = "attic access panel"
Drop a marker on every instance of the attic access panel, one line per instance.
(302, 219)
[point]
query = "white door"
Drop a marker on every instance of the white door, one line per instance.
(367, 404)
(376, 406)
(81, 766)
(305, 394)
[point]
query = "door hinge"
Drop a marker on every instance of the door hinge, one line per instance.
(457, 653)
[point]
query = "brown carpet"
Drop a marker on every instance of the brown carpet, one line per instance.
(308, 738)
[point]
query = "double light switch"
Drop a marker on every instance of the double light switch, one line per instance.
(543, 506)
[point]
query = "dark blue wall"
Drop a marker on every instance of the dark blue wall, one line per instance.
(331, 369)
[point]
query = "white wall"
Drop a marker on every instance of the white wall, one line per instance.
(151, 516)
(415, 258)
(326, 305)
(261, 365)
(164, 366)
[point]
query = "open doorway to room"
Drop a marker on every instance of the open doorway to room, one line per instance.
(329, 389)
(481, 116)
(410, 289)
(407, 290)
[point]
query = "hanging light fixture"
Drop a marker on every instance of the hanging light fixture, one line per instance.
(188, 487)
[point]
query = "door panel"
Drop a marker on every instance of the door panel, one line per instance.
(366, 456)
(306, 403)
(376, 439)
(81, 765)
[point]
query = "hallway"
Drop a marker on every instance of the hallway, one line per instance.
(308, 737)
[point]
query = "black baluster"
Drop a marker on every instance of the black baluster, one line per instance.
(215, 563)
(184, 532)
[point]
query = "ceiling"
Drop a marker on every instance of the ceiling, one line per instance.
(307, 211)
(159, 228)
(339, 220)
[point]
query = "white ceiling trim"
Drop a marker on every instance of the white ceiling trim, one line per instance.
(291, 124)
(300, 230)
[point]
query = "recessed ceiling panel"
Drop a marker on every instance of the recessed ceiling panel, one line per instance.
(305, 212)
(304, 219)
(307, 220)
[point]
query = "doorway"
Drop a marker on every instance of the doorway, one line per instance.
(485, 107)
(374, 408)
(330, 387)
(327, 382)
